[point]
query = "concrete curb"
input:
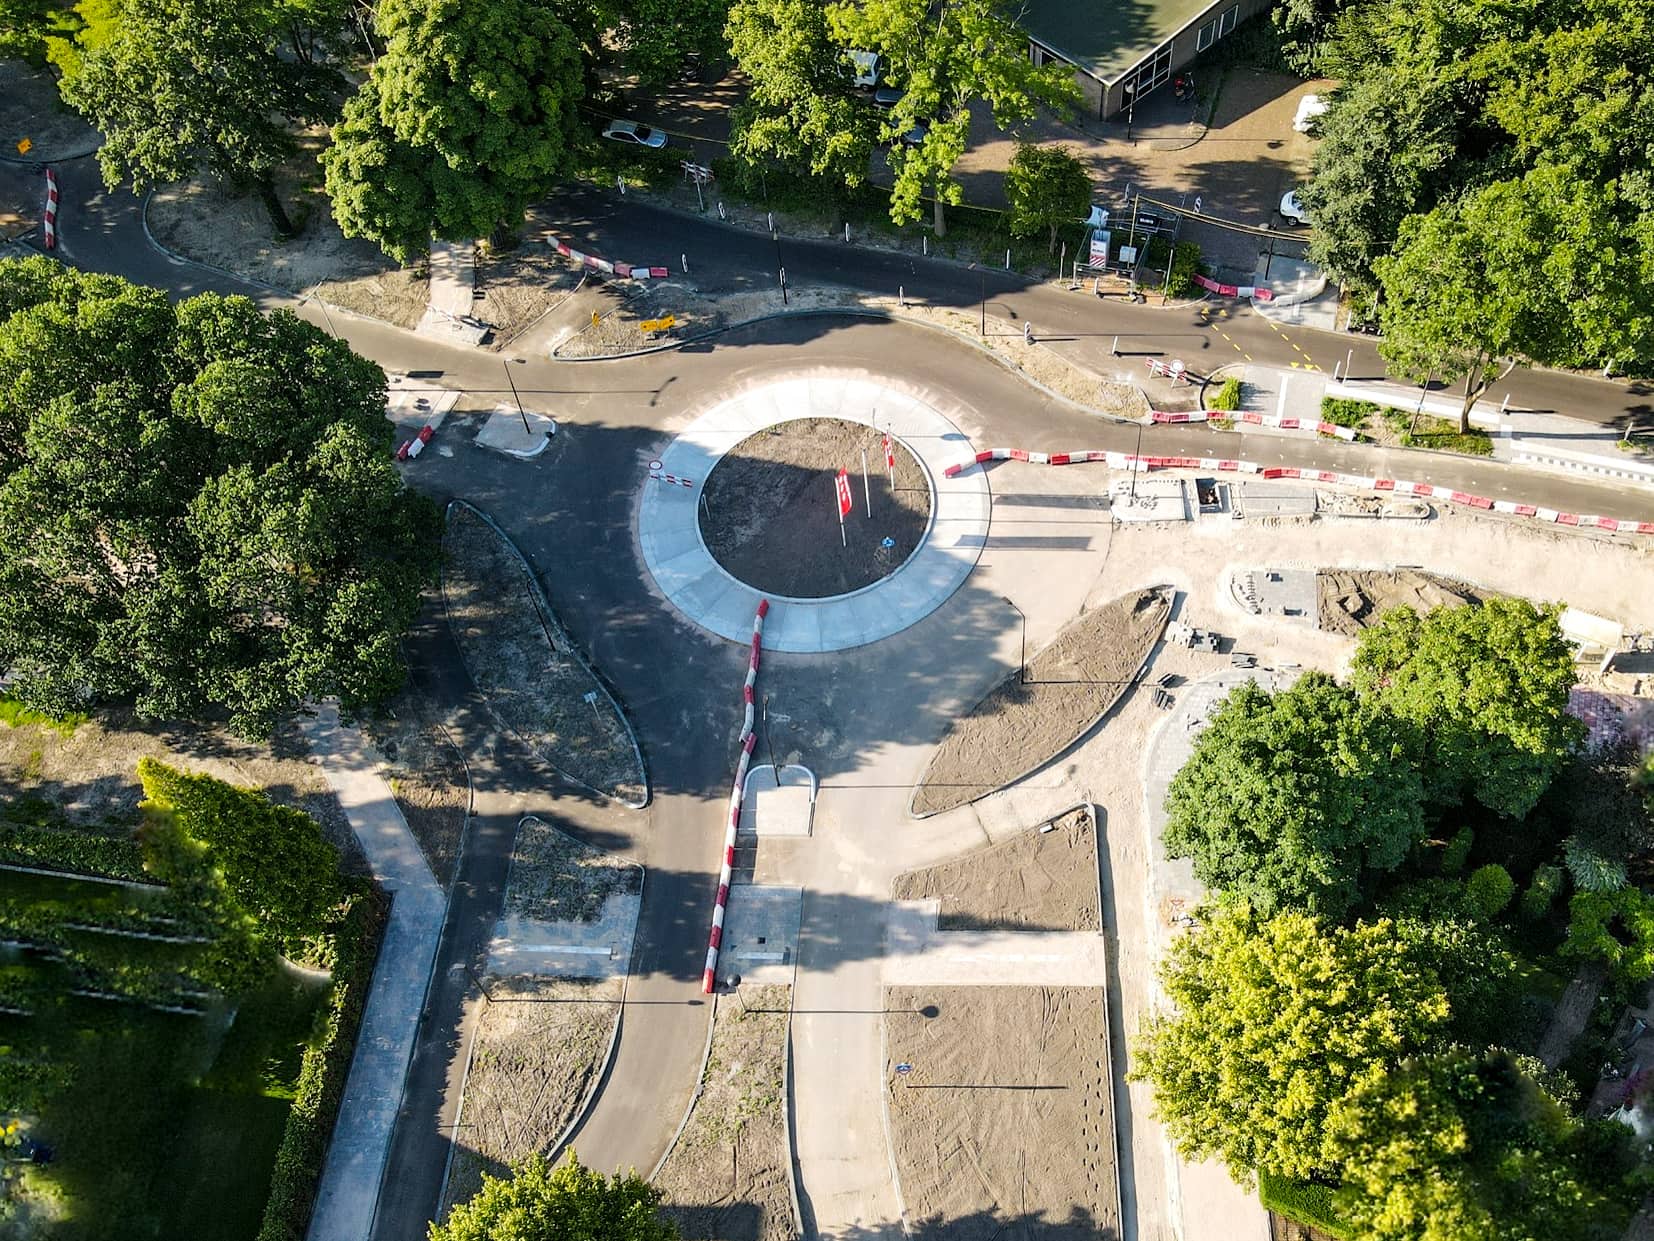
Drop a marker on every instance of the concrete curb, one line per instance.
(1170, 593)
(602, 1076)
(1108, 1039)
(549, 617)
(884, 1114)
(700, 1083)
(787, 1114)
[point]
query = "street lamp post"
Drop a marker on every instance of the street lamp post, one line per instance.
(1136, 457)
(1131, 106)
(1022, 674)
(506, 362)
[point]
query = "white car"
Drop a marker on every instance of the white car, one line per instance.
(1293, 210)
(635, 133)
(1310, 107)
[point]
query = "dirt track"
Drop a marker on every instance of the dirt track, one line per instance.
(1004, 1126)
(1039, 881)
(1018, 728)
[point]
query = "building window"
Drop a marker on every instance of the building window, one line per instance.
(1229, 20)
(1208, 32)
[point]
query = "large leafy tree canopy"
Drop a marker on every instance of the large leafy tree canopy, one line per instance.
(944, 58)
(1274, 1022)
(1488, 688)
(1046, 188)
(566, 1203)
(174, 84)
(469, 116)
(197, 505)
(1294, 799)
(800, 109)
(1486, 165)
(1460, 1146)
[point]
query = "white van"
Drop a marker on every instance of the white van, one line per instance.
(867, 67)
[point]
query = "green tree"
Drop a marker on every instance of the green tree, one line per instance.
(1460, 1146)
(1046, 187)
(1487, 687)
(1296, 799)
(566, 1203)
(1614, 927)
(273, 861)
(1306, 28)
(661, 36)
(177, 84)
(198, 509)
(1386, 153)
(1542, 892)
(944, 58)
(1272, 1023)
(1598, 797)
(469, 116)
(26, 25)
(800, 110)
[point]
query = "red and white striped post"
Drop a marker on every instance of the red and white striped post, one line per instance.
(749, 740)
(51, 209)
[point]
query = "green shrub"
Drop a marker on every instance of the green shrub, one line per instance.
(326, 1064)
(1590, 870)
(16, 714)
(1343, 412)
(1185, 267)
(1228, 396)
(1613, 927)
(1457, 851)
(1489, 889)
(1221, 424)
(1541, 893)
(83, 851)
(1307, 1202)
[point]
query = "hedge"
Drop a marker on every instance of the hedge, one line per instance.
(1305, 1201)
(322, 1074)
(83, 852)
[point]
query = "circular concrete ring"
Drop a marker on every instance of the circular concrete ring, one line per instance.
(703, 591)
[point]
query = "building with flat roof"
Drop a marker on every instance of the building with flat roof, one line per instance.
(1124, 49)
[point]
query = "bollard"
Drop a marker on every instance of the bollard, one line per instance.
(847, 230)
(620, 182)
(770, 216)
(684, 258)
(1027, 333)
(1335, 367)
(1115, 349)
(1007, 258)
(722, 214)
(924, 240)
(1504, 405)
(901, 297)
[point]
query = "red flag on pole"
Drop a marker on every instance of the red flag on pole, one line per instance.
(889, 453)
(844, 501)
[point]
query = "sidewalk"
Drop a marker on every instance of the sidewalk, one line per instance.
(347, 1199)
(453, 280)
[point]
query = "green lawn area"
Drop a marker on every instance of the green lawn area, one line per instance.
(169, 1123)
(1304, 1201)
(1422, 431)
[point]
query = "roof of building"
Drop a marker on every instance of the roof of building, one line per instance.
(1107, 37)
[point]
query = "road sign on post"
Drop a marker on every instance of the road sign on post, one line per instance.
(842, 486)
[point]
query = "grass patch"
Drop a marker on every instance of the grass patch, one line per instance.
(1305, 1201)
(16, 714)
(1426, 431)
(1343, 412)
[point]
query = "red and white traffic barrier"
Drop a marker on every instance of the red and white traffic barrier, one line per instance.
(1260, 420)
(51, 209)
(1259, 292)
(415, 446)
(1401, 487)
(626, 271)
(749, 739)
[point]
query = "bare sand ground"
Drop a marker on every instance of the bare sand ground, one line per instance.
(1003, 1126)
(771, 513)
(1038, 881)
(556, 878)
(1352, 599)
(726, 1179)
(539, 1047)
(1020, 726)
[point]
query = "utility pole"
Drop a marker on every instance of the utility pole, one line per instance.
(507, 364)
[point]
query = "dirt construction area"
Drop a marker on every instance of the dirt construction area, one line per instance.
(726, 1178)
(1003, 1123)
(1349, 600)
(770, 512)
(1043, 880)
(1019, 726)
(539, 1048)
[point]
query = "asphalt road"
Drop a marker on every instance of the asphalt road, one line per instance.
(571, 512)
